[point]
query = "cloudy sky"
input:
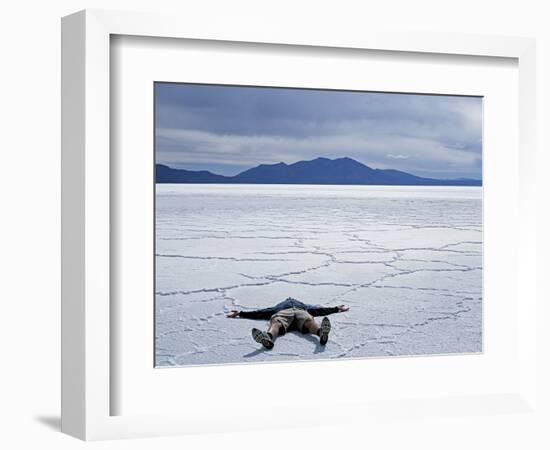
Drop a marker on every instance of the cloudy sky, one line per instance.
(227, 129)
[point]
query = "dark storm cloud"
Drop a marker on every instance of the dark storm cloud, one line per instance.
(226, 129)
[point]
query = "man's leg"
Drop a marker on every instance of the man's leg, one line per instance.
(310, 326)
(280, 322)
(275, 329)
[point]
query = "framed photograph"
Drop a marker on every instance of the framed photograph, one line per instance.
(245, 206)
(268, 208)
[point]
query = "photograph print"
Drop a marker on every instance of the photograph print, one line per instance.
(302, 224)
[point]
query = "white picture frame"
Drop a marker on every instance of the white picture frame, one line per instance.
(87, 317)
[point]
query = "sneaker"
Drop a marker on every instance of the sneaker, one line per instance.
(324, 331)
(261, 337)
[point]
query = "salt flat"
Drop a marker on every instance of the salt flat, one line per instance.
(406, 260)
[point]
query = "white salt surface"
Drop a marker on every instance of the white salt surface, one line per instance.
(406, 260)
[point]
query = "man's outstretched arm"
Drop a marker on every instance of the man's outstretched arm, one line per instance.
(322, 311)
(260, 314)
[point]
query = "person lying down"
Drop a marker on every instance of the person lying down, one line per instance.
(288, 315)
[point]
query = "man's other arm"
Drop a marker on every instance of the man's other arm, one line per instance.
(259, 314)
(322, 311)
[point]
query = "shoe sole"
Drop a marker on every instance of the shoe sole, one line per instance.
(325, 330)
(261, 337)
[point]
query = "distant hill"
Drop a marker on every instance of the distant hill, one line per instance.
(165, 174)
(340, 171)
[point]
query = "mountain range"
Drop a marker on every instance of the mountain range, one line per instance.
(340, 171)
